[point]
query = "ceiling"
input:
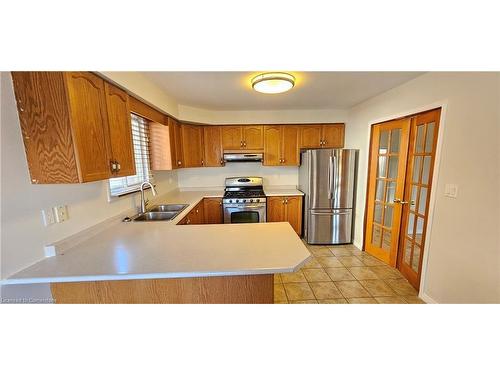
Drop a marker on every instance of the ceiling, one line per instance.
(313, 90)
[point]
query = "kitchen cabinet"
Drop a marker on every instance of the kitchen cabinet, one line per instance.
(212, 146)
(281, 145)
(213, 211)
(195, 216)
(322, 136)
(286, 208)
(176, 150)
(75, 127)
(192, 145)
(243, 137)
(120, 130)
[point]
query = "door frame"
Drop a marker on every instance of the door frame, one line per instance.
(433, 196)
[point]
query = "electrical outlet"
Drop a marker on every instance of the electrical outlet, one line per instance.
(48, 217)
(451, 190)
(61, 213)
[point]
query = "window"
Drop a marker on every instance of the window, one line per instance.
(140, 137)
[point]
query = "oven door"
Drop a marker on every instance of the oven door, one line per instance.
(242, 213)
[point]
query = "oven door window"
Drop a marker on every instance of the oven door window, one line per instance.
(244, 217)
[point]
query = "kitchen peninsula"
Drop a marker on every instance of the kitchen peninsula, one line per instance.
(161, 262)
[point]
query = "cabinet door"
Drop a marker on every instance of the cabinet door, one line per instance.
(294, 212)
(212, 146)
(232, 137)
(192, 145)
(198, 215)
(120, 129)
(310, 136)
(253, 137)
(89, 125)
(333, 136)
(173, 146)
(290, 145)
(213, 210)
(272, 145)
(179, 152)
(275, 209)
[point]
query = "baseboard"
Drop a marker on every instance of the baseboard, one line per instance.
(425, 297)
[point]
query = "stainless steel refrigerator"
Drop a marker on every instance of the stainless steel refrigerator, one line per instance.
(328, 179)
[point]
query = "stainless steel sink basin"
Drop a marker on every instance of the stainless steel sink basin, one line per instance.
(157, 216)
(168, 208)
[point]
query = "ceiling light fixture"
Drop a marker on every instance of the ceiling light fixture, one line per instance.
(273, 83)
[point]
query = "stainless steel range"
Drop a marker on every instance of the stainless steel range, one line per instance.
(244, 200)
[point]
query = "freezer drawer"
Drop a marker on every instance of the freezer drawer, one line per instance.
(329, 227)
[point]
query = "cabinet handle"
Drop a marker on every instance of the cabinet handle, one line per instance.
(179, 162)
(112, 165)
(118, 167)
(197, 211)
(188, 221)
(286, 200)
(241, 143)
(244, 143)
(202, 162)
(283, 161)
(221, 161)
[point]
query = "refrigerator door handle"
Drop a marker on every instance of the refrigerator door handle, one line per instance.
(335, 174)
(330, 213)
(330, 177)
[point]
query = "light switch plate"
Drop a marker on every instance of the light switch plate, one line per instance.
(451, 191)
(61, 213)
(48, 217)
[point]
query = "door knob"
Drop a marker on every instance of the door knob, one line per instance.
(397, 200)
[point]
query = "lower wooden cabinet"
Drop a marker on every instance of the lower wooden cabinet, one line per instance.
(286, 208)
(195, 216)
(213, 210)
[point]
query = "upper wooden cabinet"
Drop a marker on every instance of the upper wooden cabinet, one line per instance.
(175, 143)
(192, 145)
(242, 137)
(286, 208)
(281, 145)
(212, 146)
(120, 132)
(75, 128)
(322, 136)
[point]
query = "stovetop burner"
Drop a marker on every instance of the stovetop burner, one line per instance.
(250, 193)
(244, 190)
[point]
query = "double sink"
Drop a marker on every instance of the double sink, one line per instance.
(161, 212)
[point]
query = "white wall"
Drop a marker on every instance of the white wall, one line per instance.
(23, 234)
(214, 177)
(464, 246)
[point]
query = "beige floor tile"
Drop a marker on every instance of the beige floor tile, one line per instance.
(377, 288)
(362, 300)
(325, 290)
(358, 253)
(341, 252)
(330, 262)
(413, 300)
(351, 289)
(362, 273)
(312, 263)
(386, 272)
(339, 274)
(305, 301)
(315, 274)
(401, 287)
(321, 252)
(277, 278)
(294, 277)
(333, 301)
(390, 300)
(279, 293)
(298, 291)
(370, 261)
(351, 261)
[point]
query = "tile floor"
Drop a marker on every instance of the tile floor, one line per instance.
(343, 274)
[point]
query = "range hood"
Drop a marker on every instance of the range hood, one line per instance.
(242, 157)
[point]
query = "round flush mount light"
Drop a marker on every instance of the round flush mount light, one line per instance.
(273, 83)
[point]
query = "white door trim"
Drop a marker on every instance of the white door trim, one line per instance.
(432, 199)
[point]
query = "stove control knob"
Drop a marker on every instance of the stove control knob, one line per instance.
(237, 201)
(230, 201)
(251, 200)
(244, 200)
(257, 200)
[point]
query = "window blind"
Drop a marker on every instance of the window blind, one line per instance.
(140, 138)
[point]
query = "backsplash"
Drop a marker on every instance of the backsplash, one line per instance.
(214, 177)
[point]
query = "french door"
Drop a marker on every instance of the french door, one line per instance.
(398, 197)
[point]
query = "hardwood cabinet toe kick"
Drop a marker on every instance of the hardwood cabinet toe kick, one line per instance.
(246, 289)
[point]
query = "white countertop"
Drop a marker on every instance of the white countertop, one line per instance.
(150, 250)
(273, 191)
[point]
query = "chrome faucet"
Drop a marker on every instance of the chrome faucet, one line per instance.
(144, 202)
